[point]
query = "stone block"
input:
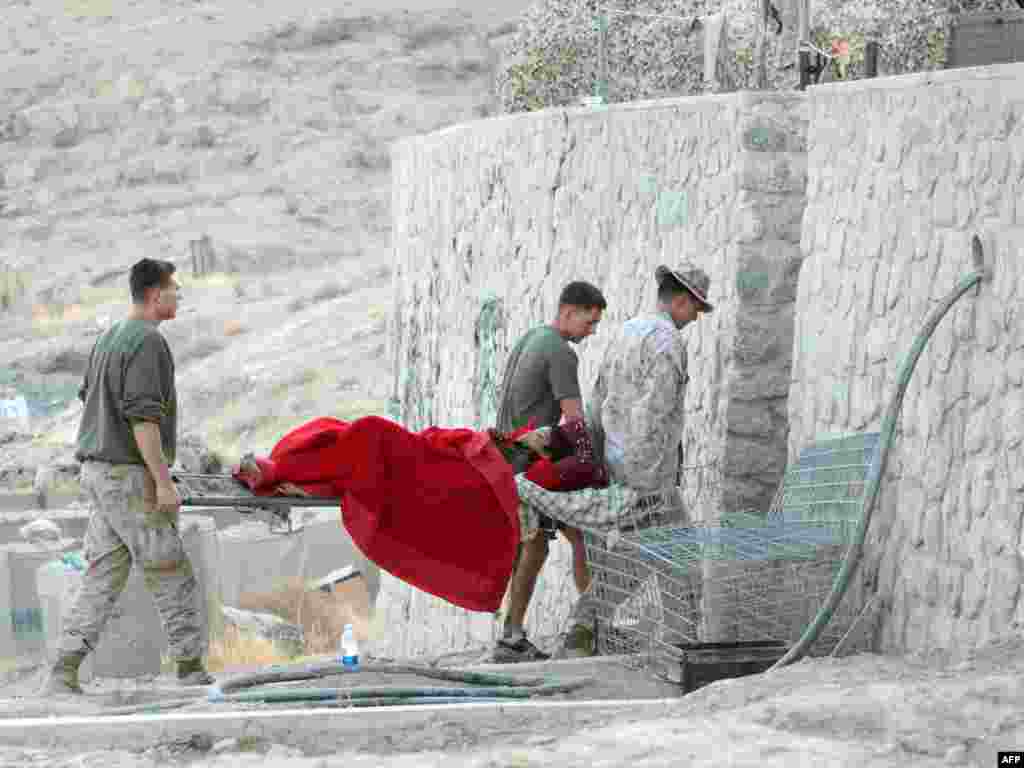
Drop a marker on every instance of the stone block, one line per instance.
(253, 559)
(8, 647)
(24, 608)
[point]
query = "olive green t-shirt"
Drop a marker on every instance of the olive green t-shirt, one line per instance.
(542, 370)
(130, 378)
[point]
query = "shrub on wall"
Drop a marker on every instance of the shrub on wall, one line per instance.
(552, 60)
(911, 34)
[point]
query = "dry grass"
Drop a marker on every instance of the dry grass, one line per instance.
(52, 319)
(261, 429)
(321, 615)
(235, 648)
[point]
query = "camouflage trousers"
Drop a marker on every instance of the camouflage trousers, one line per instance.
(125, 527)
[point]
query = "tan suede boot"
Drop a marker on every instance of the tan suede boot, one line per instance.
(63, 679)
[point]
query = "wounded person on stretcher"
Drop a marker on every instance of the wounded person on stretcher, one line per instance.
(561, 458)
(402, 493)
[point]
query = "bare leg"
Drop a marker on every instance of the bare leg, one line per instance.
(524, 579)
(580, 570)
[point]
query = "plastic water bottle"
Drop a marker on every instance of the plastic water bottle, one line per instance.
(349, 649)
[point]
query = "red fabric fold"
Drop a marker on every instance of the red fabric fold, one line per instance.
(438, 509)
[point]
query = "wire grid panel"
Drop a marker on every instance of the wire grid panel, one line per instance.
(745, 577)
(641, 602)
(649, 605)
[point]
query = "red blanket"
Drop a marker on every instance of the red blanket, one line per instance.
(437, 508)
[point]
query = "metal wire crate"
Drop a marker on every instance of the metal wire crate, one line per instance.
(741, 578)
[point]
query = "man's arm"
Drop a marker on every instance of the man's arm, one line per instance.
(563, 376)
(146, 378)
(83, 390)
(147, 436)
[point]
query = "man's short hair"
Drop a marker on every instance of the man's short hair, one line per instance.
(149, 273)
(583, 295)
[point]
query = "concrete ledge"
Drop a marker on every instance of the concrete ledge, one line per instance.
(315, 731)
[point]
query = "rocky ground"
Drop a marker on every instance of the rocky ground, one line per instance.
(861, 711)
(134, 130)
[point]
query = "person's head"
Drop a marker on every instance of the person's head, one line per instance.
(579, 311)
(683, 293)
(154, 289)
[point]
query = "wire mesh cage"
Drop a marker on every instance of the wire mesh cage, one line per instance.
(742, 578)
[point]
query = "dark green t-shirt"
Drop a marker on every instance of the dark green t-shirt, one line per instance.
(542, 370)
(130, 378)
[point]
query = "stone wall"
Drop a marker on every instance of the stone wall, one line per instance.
(902, 172)
(512, 209)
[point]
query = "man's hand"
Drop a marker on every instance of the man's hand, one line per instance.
(167, 500)
(289, 489)
(572, 408)
(536, 442)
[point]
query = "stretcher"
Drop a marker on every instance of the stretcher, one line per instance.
(224, 491)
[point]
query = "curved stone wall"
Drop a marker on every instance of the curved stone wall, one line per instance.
(516, 207)
(902, 172)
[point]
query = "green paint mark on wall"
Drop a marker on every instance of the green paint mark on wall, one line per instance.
(672, 208)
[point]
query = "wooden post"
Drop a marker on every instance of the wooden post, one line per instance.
(871, 59)
(202, 256)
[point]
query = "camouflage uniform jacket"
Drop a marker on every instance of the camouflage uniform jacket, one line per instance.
(636, 410)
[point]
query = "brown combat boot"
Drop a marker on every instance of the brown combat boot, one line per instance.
(63, 678)
(192, 672)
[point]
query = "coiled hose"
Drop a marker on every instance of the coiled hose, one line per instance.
(877, 467)
(496, 688)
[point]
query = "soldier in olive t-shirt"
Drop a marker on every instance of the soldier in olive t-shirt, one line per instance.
(130, 378)
(542, 371)
(541, 383)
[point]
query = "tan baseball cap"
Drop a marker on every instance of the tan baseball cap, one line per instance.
(692, 278)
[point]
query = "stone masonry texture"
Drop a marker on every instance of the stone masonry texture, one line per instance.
(830, 224)
(901, 173)
(516, 207)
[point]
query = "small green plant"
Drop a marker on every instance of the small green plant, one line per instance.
(249, 743)
(937, 48)
(847, 51)
(530, 80)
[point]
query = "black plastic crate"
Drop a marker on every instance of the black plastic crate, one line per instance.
(704, 663)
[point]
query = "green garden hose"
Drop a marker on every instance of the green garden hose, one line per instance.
(496, 687)
(877, 467)
(277, 695)
(285, 674)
